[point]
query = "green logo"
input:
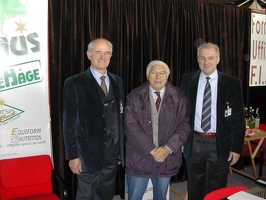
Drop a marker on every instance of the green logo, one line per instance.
(11, 8)
(8, 112)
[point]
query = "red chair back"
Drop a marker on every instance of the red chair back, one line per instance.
(24, 177)
(224, 192)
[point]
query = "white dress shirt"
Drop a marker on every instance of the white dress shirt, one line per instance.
(97, 75)
(198, 110)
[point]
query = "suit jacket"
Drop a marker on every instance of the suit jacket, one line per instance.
(230, 130)
(173, 130)
(84, 124)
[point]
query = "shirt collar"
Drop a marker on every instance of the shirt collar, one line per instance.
(213, 76)
(97, 74)
(162, 91)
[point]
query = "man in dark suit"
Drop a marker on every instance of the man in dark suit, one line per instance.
(217, 137)
(92, 124)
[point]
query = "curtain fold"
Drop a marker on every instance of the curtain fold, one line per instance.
(141, 31)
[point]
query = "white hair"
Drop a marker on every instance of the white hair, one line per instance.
(91, 44)
(157, 62)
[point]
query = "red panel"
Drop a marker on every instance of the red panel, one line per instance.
(27, 176)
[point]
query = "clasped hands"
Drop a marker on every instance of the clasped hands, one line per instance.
(160, 153)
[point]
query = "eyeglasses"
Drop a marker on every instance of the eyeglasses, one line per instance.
(204, 59)
(106, 53)
(154, 73)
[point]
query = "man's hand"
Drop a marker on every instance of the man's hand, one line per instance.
(233, 157)
(75, 166)
(153, 152)
(160, 153)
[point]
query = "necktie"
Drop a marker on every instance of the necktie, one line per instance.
(158, 100)
(206, 107)
(103, 85)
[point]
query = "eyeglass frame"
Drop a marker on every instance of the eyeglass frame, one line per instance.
(155, 73)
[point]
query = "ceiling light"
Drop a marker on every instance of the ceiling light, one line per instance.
(255, 6)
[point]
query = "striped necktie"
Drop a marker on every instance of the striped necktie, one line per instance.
(206, 107)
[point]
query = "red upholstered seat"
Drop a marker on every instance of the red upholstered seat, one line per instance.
(263, 127)
(27, 178)
(224, 192)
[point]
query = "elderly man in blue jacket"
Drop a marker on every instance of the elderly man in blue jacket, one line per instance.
(156, 127)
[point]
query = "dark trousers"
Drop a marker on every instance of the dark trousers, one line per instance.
(100, 186)
(204, 172)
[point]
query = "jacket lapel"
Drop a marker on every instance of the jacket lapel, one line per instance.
(114, 84)
(221, 96)
(193, 94)
(91, 85)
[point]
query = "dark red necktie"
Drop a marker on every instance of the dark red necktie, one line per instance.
(158, 100)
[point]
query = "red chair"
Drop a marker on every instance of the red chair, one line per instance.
(224, 192)
(28, 178)
(263, 127)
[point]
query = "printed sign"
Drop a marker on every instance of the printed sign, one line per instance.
(257, 75)
(24, 97)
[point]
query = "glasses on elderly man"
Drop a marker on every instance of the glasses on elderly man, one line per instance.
(155, 73)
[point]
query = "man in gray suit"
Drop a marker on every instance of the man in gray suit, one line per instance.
(92, 123)
(217, 124)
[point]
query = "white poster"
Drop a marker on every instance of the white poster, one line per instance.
(24, 99)
(257, 74)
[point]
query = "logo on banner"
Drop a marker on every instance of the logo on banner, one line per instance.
(13, 23)
(11, 9)
(24, 137)
(8, 113)
(20, 75)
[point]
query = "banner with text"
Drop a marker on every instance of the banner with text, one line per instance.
(24, 98)
(257, 74)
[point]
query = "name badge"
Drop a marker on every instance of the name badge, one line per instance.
(228, 111)
(121, 107)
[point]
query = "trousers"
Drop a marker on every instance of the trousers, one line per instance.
(204, 172)
(100, 186)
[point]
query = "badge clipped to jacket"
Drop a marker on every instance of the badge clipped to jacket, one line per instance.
(228, 111)
(121, 107)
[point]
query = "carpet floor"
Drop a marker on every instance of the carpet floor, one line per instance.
(233, 179)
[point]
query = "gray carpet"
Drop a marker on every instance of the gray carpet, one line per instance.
(233, 179)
